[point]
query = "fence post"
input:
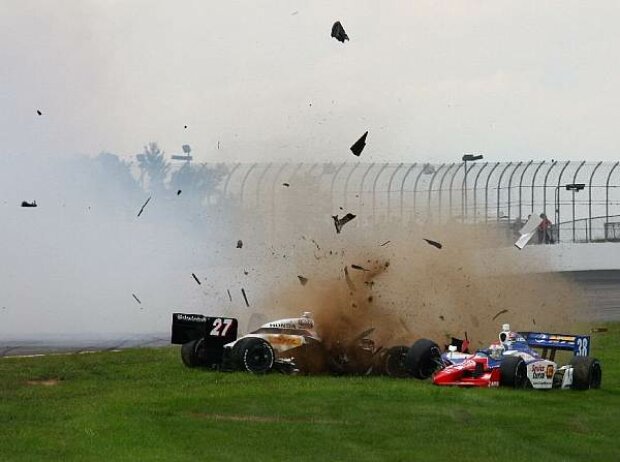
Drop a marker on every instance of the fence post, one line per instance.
(374, 190)
(415, 188)
(228, 178)
(510, 187)
(476, 190)
(443, 177)
(521, 188)
(260, 180)
(402, 189)
(499, 184)
(575, 181)
(486, 193)
(607, 197)
(589, 227)
(346, 183)
(245, 178)
(430, 189)
(533, 182)
(452, 183)
(361, 194)
(557, 211)
(389, 191)
(553, 164)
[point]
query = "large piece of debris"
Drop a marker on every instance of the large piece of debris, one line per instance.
(338, 32)
(29, 204)
(359, 145)
(528, 231)
(340, 222)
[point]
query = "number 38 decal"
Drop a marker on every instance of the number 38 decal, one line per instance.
(582, 346)
(220, 327)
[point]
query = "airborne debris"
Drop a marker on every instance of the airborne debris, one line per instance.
(245, 297)
(433, 243)
(359, 145)
(528, 231)
(598, 329)
(239, 244)
(196, 279)
(358, 267)
(39, 112)
(144, 205)
(338, 32)
(348, 279)
(340, 222)
(179, 192)
(29, 204)
(498, 314)
(385, 243)
(441, 317)
(229, 296)
(137, 299)
(302, 279)
(286, 184)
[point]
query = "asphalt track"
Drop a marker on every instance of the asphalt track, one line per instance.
(602, 291)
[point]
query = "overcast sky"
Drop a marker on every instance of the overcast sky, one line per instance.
(429, 80)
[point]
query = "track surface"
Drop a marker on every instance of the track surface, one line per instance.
(602, 289)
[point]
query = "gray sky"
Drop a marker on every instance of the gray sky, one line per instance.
(429, 80)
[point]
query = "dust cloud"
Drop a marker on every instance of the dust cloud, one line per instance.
(71, 265)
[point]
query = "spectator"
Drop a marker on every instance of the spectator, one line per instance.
(544, 230)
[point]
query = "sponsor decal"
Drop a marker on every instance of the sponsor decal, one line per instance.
(538, 371)
(185, 317)
(305, 323)
(550, 371)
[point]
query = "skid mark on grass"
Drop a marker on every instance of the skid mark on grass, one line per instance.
(43, 382)
(266, 419)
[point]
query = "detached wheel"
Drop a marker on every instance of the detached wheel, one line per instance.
(423, 358)
(395, 364)
(587, 373)
(254, 355)
(513, 372)
(190, 353)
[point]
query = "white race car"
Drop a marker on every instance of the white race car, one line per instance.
(288, 345)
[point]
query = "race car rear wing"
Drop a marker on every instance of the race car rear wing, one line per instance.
(217, 331)
(550, 343)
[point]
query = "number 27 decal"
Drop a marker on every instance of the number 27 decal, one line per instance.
(220, 327)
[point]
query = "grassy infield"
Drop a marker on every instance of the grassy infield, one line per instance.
(144, 405)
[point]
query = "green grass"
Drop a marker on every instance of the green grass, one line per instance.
(144, 405)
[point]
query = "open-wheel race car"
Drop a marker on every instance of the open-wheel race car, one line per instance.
(513, 361)
(286, 345)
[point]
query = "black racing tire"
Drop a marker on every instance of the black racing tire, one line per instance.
(189, 353)
(254, 355)
(423, 358)
(395, 362)
(587, 373)
(513, 372)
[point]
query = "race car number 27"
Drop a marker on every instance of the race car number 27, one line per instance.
(220, 327)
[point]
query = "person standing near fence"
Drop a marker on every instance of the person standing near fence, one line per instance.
(544, 230)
